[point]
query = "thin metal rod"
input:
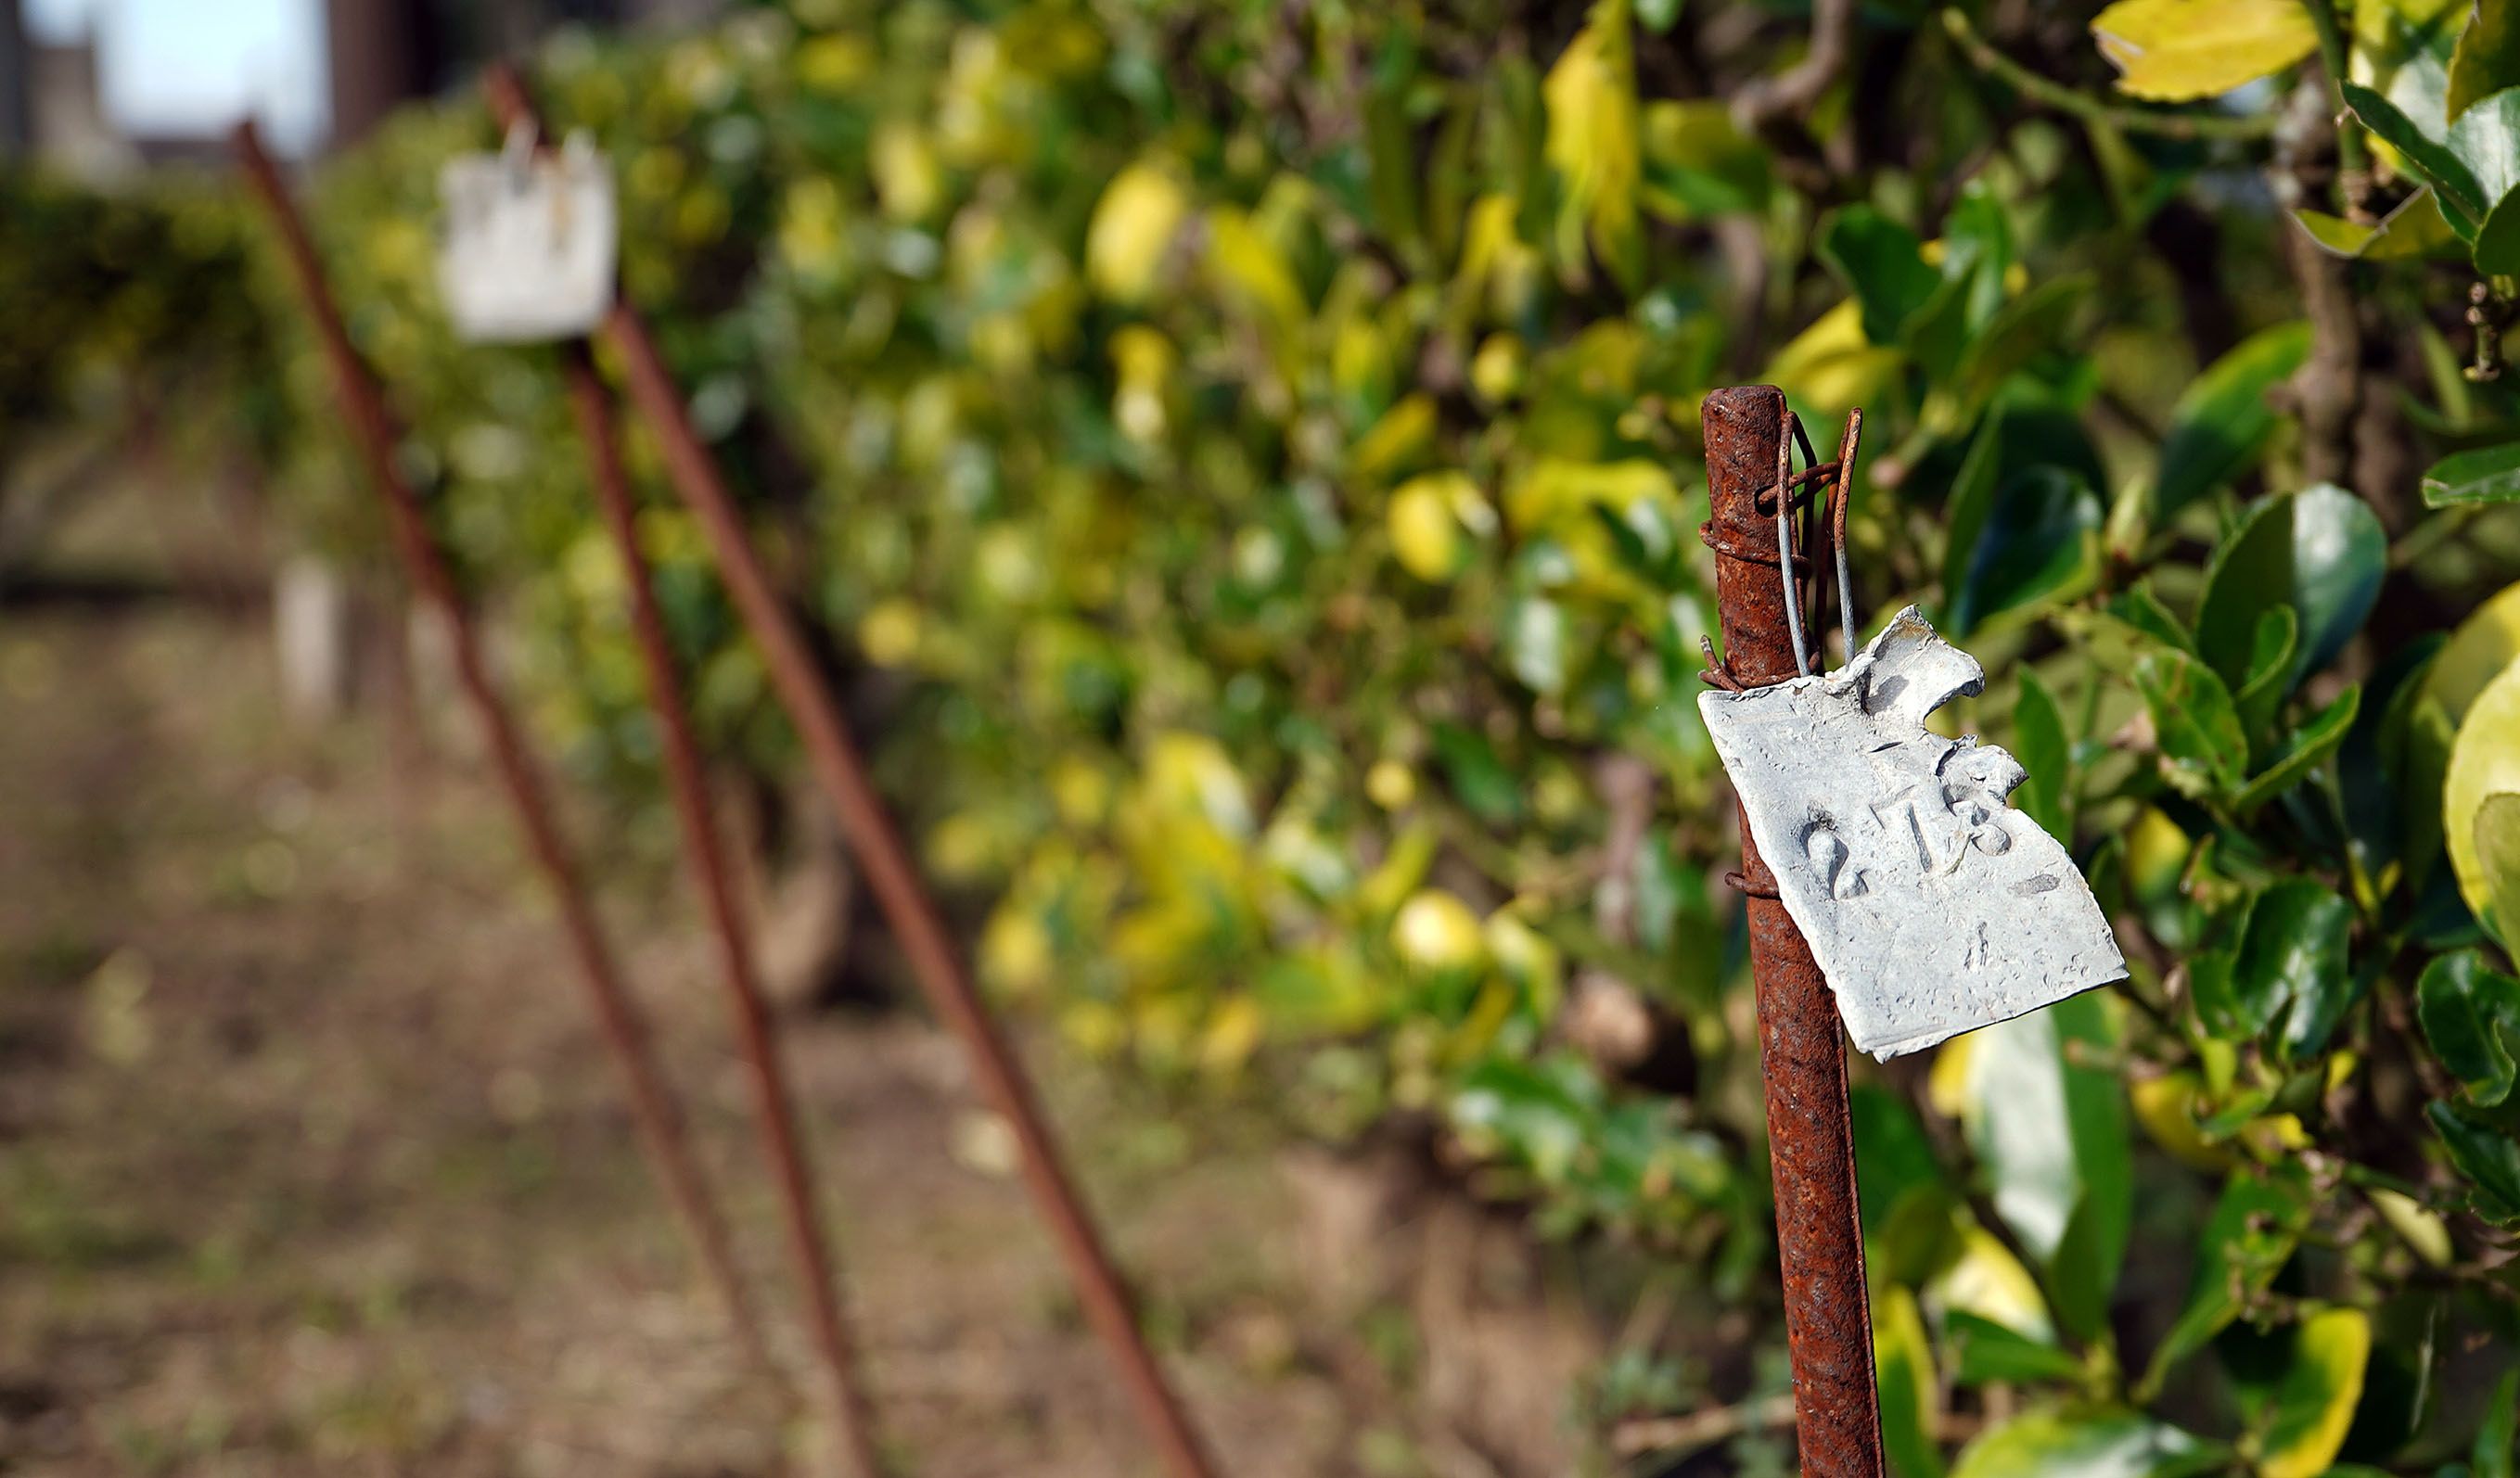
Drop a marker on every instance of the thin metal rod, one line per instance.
(372, 430)
(1802, 1048)
(1784, 561)
(1841, 493)
(854, 1450)
(917, 924)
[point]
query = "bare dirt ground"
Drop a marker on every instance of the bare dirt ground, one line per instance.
(310, 1160)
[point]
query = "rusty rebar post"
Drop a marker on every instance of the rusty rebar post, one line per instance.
(1802, 1048)
(372, 431)
(851, 1415)
(917, 924)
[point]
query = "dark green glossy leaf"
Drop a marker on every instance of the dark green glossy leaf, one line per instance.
(2038, 742)
(2497, 252)
(2085, 1442)
(2486, 1154)
(2486, 138)
(1880, 261)
(2223, 420)
(2291, 952)
(2322, 551)
(2471, 1015)
(2482, 474)
(2488, 56)
(2302, 751)
(2271, 661)
(2038, 543)
(2204, 750)
(1984, 1351)
(2245, 1243)
(2463, 199)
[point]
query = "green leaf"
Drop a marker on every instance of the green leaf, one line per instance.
(2302, 751)
(2204, 751)
(2470, 1014)
(1481, 780)
(2463, 201)
(1984, 1351)
(2497, 252)
(2177, 51)
(1911, 1394)
(1882, 263)
(2320, 551)
(2315, 1401)
(2486, 138)
(2085, 1442)
(2038, 742)
(2271, 654)
(2488, 56)
(2483, 474)
(2223, 420)
(2291, 957)
(2025, 328)
(2052, 1139)
(1699, 164)
(2245, 1243)
(2486, 1155)
(2038, 544)
(2495, 1439)
(2414, 228)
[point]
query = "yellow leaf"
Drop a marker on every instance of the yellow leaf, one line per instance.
(907, 178)
(1436, 931)
(1390, 785)
(2315, 1400)
(1427, 517)
(1402, 438)
(1830, 368)
(2482, 646)
(1134, 226)
(1015, 951)
(2423, 1231)
(1593, 139)
(1947, 1081)
(2166, 1107)
(2177, 51)
(1986, 1279)
(2484, 762)
(1250, 267)
(1232, 1034)
(888, 633)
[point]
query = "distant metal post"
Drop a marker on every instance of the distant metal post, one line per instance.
(1802, 1047)
(917, 924)
(852, 1417)
(372, 430)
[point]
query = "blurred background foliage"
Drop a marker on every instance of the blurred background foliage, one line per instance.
(1245, 460)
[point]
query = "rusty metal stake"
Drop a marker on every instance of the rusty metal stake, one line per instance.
(370, 428)
(917, 924)
(851, 1416)
(1802, 1049)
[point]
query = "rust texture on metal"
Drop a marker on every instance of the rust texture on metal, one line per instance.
(1828, 1318)
(372, 430)
(917, 924)
(851, 1415)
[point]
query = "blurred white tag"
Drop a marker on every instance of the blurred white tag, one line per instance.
(1932, 906)
(529, 244)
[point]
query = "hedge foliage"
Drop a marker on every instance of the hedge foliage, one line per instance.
(1260, 443)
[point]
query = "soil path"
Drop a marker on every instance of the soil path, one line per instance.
(310, 1161)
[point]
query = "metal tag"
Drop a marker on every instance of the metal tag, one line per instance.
(1932, 906)
(528, 244)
